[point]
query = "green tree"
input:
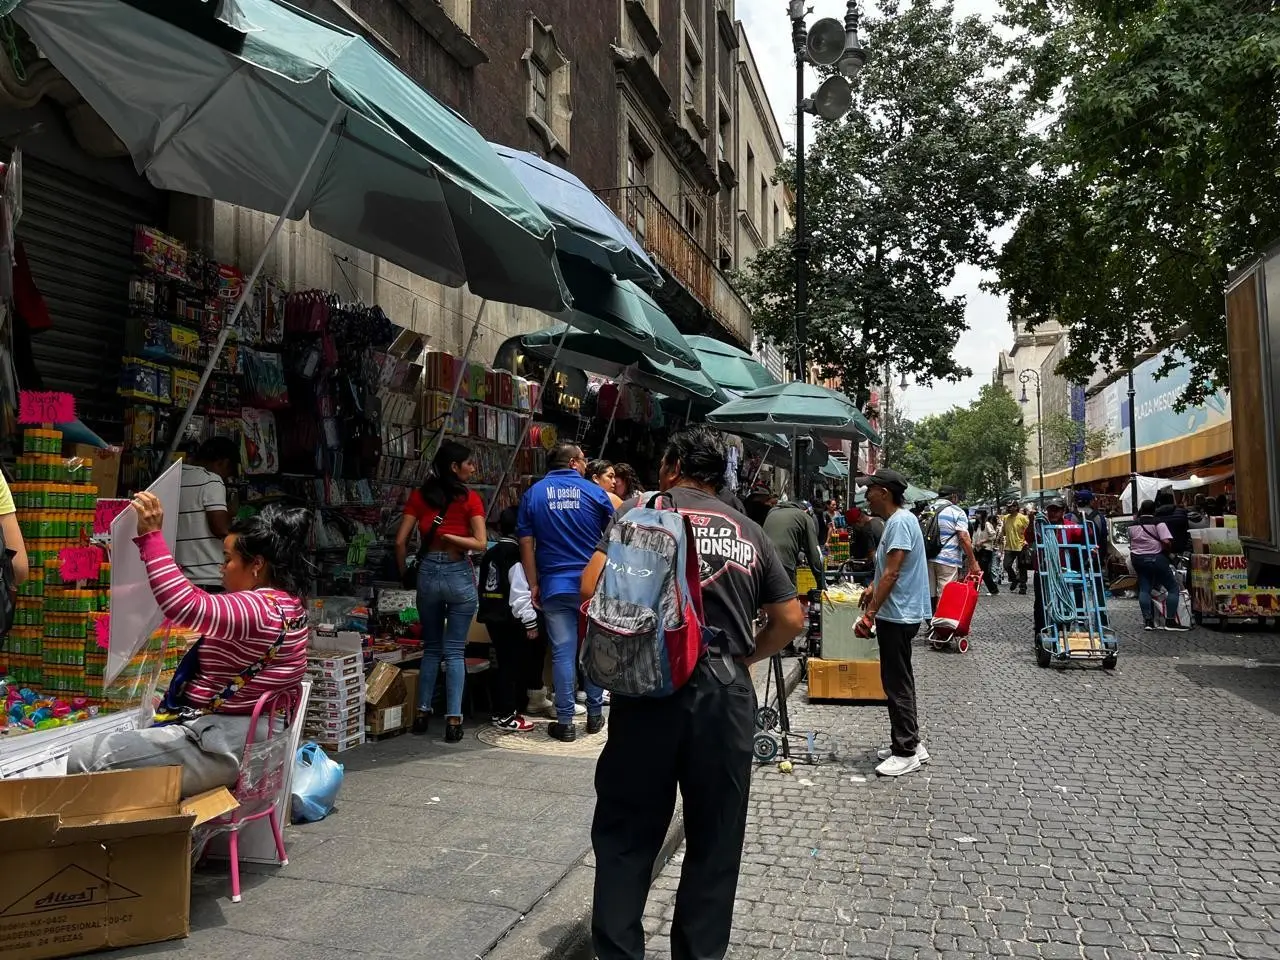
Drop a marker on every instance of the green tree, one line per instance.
(933, 155)
(1063, 435)
(985, 448)
(1160, 174)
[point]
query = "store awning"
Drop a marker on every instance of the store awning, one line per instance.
(256, 103)
(1202, 445)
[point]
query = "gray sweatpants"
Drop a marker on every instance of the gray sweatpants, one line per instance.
(208, 749)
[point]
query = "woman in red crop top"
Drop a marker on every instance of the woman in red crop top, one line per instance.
(449, 518)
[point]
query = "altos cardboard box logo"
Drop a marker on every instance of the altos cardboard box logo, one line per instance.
(72, 886)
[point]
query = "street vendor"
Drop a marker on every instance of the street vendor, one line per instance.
(253, 641)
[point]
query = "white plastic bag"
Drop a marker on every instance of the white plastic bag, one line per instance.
(316, 782)
(1184, 608)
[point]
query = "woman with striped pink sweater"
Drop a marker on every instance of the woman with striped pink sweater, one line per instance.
(253, 641)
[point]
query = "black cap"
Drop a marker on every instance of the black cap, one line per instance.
(889, 479)
(947, 492)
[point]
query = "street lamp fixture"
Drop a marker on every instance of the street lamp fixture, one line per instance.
(1033, 376)
(829, 43)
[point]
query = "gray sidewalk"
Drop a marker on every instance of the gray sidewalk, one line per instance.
(435, 852)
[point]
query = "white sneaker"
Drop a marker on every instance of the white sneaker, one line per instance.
(1176, 628)
(540, 705)
(921, 753)
(579, 710)
(897, 766)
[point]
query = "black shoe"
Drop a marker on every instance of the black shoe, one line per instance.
(453, 733)
(420, 722)
(595, 724)
(1022, 591)
(564, 732)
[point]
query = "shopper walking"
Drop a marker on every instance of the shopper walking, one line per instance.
(1150, 543)
(561, 519)
(449, 518)
(1015, 548)
(698, 739)
(956, 546)
(512, 622)
(984, 539)
(894, 607)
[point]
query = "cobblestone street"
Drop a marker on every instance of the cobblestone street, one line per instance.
(1077, 814)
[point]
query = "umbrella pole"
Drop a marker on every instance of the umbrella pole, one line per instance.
(462, 372)
(608, 427)
(759, 467)
(688, 412)
(528, 421)
(250, 280)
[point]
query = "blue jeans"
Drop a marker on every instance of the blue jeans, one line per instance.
(1155, 571)
(447, 603)
(561, 615)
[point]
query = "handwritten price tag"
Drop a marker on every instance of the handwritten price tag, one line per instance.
(102, 631)
(35, 406)
(106, 511)
(79, 563)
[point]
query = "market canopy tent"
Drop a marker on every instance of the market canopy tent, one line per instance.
(1148, 487)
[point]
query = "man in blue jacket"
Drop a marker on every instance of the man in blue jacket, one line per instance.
(562, 518)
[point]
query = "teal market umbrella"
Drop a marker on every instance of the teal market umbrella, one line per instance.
(916, 494)
(230, 106)
(619, 308)
(256, 103)
(833, 469)
(730, 367)
(606, 355)
(585, 226)
(794, 408)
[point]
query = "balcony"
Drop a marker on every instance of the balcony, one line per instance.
(680, 255)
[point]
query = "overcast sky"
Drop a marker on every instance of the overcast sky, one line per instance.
(769, 31)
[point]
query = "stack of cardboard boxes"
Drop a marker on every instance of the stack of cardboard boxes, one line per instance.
(389, 698)
(335, 710)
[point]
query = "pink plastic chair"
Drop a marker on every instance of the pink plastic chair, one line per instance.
(264, 771)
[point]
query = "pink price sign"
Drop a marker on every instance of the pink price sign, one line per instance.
(102, 631)
(43, 406)
(105, 512)
(79, 563)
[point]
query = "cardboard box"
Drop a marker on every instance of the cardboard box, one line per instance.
(410, 678)
(106, 467)
(854, 680)
(381, 720)
(97, 861)
(384, 687)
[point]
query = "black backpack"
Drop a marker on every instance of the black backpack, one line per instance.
(933, 544)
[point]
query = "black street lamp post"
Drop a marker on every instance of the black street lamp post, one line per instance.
(828, 43)
(1033, 376)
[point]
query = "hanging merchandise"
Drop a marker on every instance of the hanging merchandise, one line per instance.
(264, 379)
(260, 449)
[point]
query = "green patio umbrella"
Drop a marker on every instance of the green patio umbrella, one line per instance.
(729, 366)
(794, 408)
(833, 469)
(257, 103)
(609, 357)
(916, 494)
(620, 309)
(231, 104)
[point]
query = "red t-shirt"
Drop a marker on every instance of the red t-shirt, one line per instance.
(457, 515)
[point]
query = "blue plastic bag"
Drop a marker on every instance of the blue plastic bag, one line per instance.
(316, 781)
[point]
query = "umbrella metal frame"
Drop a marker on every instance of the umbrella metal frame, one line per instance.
(247, 291)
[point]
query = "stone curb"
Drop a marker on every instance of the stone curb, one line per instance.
(559, 925)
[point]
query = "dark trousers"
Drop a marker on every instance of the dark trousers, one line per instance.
(1015, 570)
(516, 655)
(899, 681)
(699, 740)
(988, 577)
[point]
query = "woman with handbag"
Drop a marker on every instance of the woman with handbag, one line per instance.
(449, 517)
(253, 641)
(1150, 544)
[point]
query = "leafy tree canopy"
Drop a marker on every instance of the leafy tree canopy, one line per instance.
(932, 157)
(1160, 174)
